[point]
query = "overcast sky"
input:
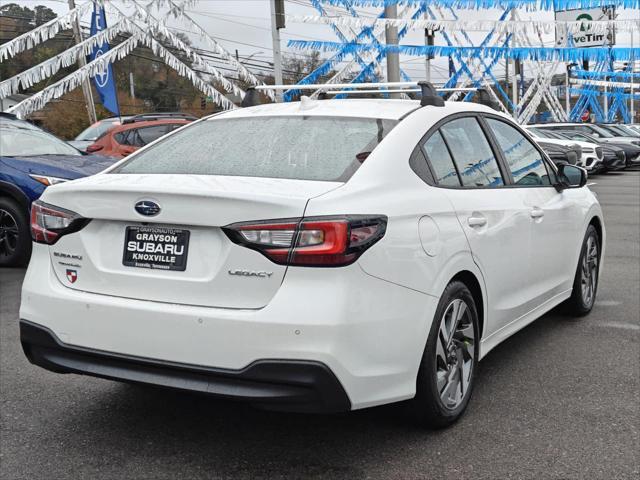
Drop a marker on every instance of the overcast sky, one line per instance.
(245, 25)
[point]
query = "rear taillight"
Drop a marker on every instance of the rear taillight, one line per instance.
(94, 147)
(49, 223)
(311, 241)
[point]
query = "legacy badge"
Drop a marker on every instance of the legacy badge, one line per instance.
(251, 273)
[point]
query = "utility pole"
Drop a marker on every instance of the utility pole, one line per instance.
(393, 58)
(566, 89)
(277, 22)
(82, 61)
(506, 74)
(631, 90)
(514, 86)
(428, 42)
(606, 100)
(132, 87)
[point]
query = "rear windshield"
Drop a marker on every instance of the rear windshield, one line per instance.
(302, 148)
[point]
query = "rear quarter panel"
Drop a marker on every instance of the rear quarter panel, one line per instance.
(424, 246)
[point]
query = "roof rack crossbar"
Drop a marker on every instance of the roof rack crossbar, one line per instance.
(158, 116)
(325, 86)
(399, 90)
(347, 92)
(162, 114)
(430, 94)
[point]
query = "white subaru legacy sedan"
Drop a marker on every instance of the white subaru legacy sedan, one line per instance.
(318, 256)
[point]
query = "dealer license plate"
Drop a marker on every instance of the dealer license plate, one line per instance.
(156, 247)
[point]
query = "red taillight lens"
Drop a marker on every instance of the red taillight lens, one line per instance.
(317, 241)
(331, 247)
(49, 223)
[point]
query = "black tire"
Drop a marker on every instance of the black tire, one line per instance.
(428, 406)
(15, 234)
(579, 304)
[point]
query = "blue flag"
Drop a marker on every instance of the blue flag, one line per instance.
(103, 80)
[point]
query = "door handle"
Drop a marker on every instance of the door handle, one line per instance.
(477, 221)
(537, 212)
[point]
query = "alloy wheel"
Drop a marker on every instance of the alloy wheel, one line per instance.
(8, 234)
(589, 277)
(455, 353)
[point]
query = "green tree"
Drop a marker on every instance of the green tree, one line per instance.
(16, 20)
(25, 17)
(43, 14)
(295, 68)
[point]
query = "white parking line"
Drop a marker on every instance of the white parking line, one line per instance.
(607, 303)
(622, 325)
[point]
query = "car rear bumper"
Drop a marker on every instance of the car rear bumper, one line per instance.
(368, 332)
(292, 385)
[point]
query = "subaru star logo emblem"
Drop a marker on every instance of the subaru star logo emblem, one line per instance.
(147, 208)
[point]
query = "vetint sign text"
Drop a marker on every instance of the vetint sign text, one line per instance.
(587, 36)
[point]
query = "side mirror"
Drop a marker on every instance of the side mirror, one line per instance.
(570, 176)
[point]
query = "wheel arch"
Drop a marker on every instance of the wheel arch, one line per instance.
(596, 221)
(473, 284)
(463, 267)
(11, 191)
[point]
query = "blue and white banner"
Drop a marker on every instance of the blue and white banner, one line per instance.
(104, 79)
(596, 54)
(532, 5)
(604, 75)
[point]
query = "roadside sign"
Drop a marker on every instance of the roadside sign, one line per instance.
(586, 37)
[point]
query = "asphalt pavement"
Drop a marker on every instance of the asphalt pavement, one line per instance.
(559, 400)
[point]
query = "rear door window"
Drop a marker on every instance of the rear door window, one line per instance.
(174, 126)
(149, 134)
(121, 137)
(472, 153)
(441, 162)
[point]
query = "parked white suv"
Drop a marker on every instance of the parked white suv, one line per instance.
(591, 153)
(325, 255)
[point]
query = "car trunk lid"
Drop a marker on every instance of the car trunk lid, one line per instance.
(211, 270)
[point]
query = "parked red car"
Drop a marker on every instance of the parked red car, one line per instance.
(136, 132)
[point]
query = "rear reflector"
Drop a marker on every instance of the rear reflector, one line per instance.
(49, 223)
(312, 241)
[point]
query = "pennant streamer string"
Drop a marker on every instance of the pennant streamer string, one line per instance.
(518, 53)
(499, 26)
(484, 4)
